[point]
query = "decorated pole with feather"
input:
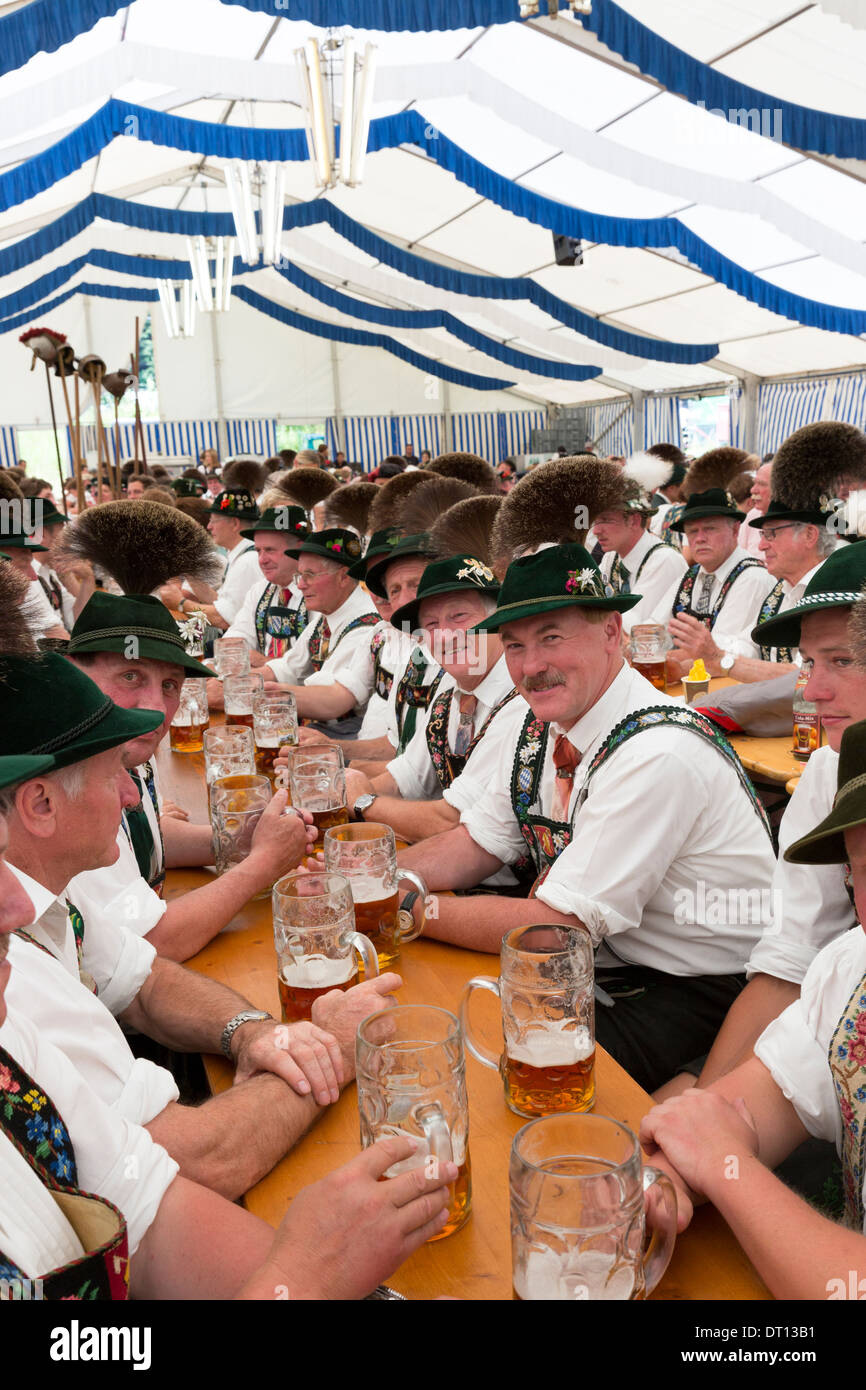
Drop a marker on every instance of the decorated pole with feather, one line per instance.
(44, 344)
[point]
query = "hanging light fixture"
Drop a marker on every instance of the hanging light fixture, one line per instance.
(212, 290)
(316, 65)
(177, 302)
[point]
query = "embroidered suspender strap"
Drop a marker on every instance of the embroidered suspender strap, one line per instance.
(34, 1126)
(847, 1058)
(382, 680)
(447, 764)
(769, 608)
(264, 603)
(317, 640)
(527, 766)
(365, 620)
(281, 625)
(660, 545)
(654, 716)
(52, 592)
(617, 577)
(669, 536)
(683, 600)
(412, 695)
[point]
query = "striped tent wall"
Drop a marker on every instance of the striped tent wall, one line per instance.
(332, 439)
(849, 400)
(476, 432)
(422, 431)
(737, 400)
(783, 406)
(368, 439)
(8, 446)
(661, 420)
(252, 437)
(611, 425)
(515, 431)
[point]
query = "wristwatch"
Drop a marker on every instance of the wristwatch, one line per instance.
(727, 661)
(364, 802)
(251, 1015)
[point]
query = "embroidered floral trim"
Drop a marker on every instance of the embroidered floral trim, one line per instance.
(683, 601)
(847, 1058)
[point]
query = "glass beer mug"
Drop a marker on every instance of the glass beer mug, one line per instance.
(316, 942)
(317, 778)
(411, 1074)
(275, 724)
(228, 752)
(191, 718)
(237, 805)
(577, 1186)
(647, 648)
(545, 990)
(367, 854)
(231, 657)
(240, 694)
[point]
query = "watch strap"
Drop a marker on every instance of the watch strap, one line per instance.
(248, 1016)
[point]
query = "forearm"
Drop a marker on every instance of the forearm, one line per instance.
(413, 820)
(199, 1246)
(194, 919)
(763, 999)
(479, 923)
(183, 1010)
(775, 1227)
(322, 701)
(83, 595)
(452, 860)
(205, 593)
(234, 1139)
(748, 668)
(186, 845)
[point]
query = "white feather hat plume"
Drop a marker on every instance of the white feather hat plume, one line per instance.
(648, 471)
(853, 515)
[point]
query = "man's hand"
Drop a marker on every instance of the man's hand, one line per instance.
(693, 638)
(306, 735)
(343, 1236)
(172, 595)
(273, 687)
(280, 841)
(173, 811)
(703, 1137)
(340, 1012)
(215, 694)
(306, 1057)
(356, 784)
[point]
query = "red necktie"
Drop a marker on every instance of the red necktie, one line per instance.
(466, 727)
(565, 759)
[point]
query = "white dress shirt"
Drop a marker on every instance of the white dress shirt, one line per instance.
(792, 593)
(115, 1158)
(811, 903)
(665, 567)
(795, 1046)
(244, 623)
(66, 615)
(358, 675)
(666, 842)
(37, 612)
(296, 668)
(738, 613)
(412, 770)
(241, 573)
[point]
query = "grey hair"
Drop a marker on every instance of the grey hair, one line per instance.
(71, 779)
(826, 542)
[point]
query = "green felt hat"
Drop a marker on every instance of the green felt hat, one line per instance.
(447, 577)
(826, 843)
(108, 621)
(560, 576)
(379, 544)
(50, 512)
(237, 502)
(334, 543)
(714, 502)
(48, 706)
(837, 584)
(291, 522)
(186, 487)
(398, 548)
(20, 767)
(13, 535)
(777, 511)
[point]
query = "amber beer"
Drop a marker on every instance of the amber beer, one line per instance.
(323, 820)
(302, 982)
(187, 738)
(246, 719)
(460, 1190)
(376, 917)
(266, 759)
(654, 671)
(543, 1077)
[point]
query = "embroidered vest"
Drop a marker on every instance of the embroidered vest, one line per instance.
(683, 600)
(769, 608)
(277, 627)
(412, 695)
(318, 656)
(36, 1129)
(545, 838)
(149, 853)
(383, 680)
(847, 1058)
(619, 583)
(446, 764)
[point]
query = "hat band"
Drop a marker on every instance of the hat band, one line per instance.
(564, 599)
(827, 596)
(127, 631)
(854, 785)
(53, 745)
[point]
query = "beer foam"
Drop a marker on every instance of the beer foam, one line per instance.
(366, 889)
(552, 1045)
(591, 1275)
(318, 972)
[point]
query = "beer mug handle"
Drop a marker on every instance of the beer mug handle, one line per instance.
(367, 951)
(657, 1255)
(435, 1128)
(477, 982)
(406, 929)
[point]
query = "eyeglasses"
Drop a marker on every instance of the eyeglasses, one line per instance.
(310, 576)
(771, 532)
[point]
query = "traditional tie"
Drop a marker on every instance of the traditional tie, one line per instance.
(623, 576)
(466, 727)
(566, 759)
(703, 601)
(148, 855)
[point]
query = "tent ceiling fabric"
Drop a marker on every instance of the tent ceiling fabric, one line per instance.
(710, 250)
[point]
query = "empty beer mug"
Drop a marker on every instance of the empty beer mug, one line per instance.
(275, 725)
(412, 1083)
(231, 657)
(577, 1187)
(237, 804)
(317, 778)
(545, 990)
(191, 718)
(316, 942)
(367, 854)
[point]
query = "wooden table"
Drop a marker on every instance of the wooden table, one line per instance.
(769, 759)
(475, 1263)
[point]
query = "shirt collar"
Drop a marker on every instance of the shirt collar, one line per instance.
(638, 550)
(628, 691)
(495, 685)
(352, 607)
(797, 590)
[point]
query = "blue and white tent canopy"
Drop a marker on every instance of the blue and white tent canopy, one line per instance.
(707, 156)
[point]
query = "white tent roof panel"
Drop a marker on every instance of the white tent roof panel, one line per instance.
(614, 277)
(669, 127)
(800, 350)
(493, 240)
